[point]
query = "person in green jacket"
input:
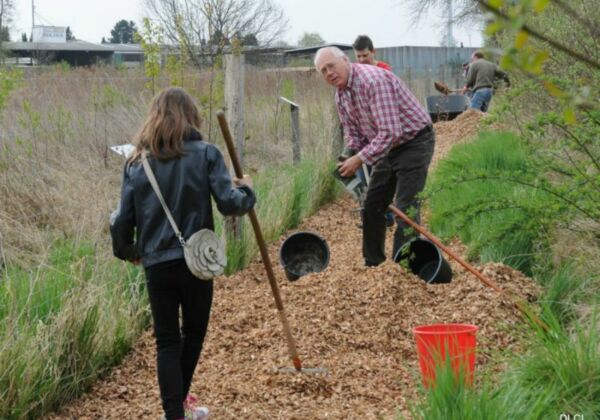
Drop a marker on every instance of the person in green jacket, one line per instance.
(480, 80)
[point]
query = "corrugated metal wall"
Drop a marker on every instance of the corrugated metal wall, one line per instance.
(423, 58)
(419, 67)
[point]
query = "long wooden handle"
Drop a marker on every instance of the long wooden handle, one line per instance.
(520, 304)
(261, 245)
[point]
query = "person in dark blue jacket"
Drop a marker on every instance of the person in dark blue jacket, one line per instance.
(190, 173)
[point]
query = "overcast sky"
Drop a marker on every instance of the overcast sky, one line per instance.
(385, 21)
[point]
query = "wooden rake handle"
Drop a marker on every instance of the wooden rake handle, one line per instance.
(519, 303)
(261, 245)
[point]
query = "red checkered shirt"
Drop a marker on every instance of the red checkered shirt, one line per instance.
(378, 111)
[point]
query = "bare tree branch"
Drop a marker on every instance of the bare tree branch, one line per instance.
(465, 11)
(205, 26)
(7, 8)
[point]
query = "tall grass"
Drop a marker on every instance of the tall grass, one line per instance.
(473, 195)
(62, 324)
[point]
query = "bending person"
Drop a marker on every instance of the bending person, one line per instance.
(387, 127)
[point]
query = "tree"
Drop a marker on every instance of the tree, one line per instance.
(463, 11)
(123, 32)
(460, 12)
(7, 9)
(249, 39)
(4, 34)
(310, 39)
(206, 26)
(23, 37)
(151, 39)
(218, 38)
(70, 36)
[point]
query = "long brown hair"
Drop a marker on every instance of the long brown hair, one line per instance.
(173, 115)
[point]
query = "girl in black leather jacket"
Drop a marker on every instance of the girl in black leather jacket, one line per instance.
(189, 172)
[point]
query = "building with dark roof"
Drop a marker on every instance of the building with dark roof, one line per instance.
(76, 53)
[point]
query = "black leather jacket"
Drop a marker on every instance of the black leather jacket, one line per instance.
(187, 184)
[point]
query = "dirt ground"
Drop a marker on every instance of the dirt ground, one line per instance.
(354, 321)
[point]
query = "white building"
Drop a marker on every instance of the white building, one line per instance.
(57, 34)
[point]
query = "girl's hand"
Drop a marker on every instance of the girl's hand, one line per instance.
(246, 180)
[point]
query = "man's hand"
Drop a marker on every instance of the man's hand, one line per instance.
(349, 166)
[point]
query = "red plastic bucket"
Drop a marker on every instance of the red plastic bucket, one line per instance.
(439, 342)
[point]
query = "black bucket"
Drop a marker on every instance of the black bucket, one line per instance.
(303, 253)
(425, 260)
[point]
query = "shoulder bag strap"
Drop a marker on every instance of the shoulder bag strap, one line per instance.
(156, 189)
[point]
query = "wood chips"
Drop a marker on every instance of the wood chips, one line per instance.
(354, 321)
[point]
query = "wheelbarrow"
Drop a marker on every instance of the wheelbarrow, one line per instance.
(446, 107)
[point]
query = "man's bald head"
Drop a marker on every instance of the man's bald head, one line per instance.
(334, 65)
(334, 51)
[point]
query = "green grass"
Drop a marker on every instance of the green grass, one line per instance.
(564, 291)
(452, 399)
(38, 294)
(472, 194)
(560, 374)
(64, 324)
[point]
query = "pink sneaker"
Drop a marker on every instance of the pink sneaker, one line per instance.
(192, 411)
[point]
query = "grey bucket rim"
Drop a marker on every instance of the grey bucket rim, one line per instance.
(440, 261)
(292, 276)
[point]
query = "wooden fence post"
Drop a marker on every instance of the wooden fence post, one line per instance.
(234, 99)
(295, 115)
(234, 104)
(2, 261)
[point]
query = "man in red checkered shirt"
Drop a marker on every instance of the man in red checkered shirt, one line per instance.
(387, 127)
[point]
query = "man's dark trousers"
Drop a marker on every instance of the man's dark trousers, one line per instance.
(402, 172)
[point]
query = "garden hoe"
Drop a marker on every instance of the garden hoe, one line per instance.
(519, 303)
(266, 260)
(443, 88)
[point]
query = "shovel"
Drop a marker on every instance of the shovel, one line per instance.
(265, 258)
(443, 88)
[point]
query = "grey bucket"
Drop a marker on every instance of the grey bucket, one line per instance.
(303, 253)
(446, 107)
(354, 184)
(425, 260)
